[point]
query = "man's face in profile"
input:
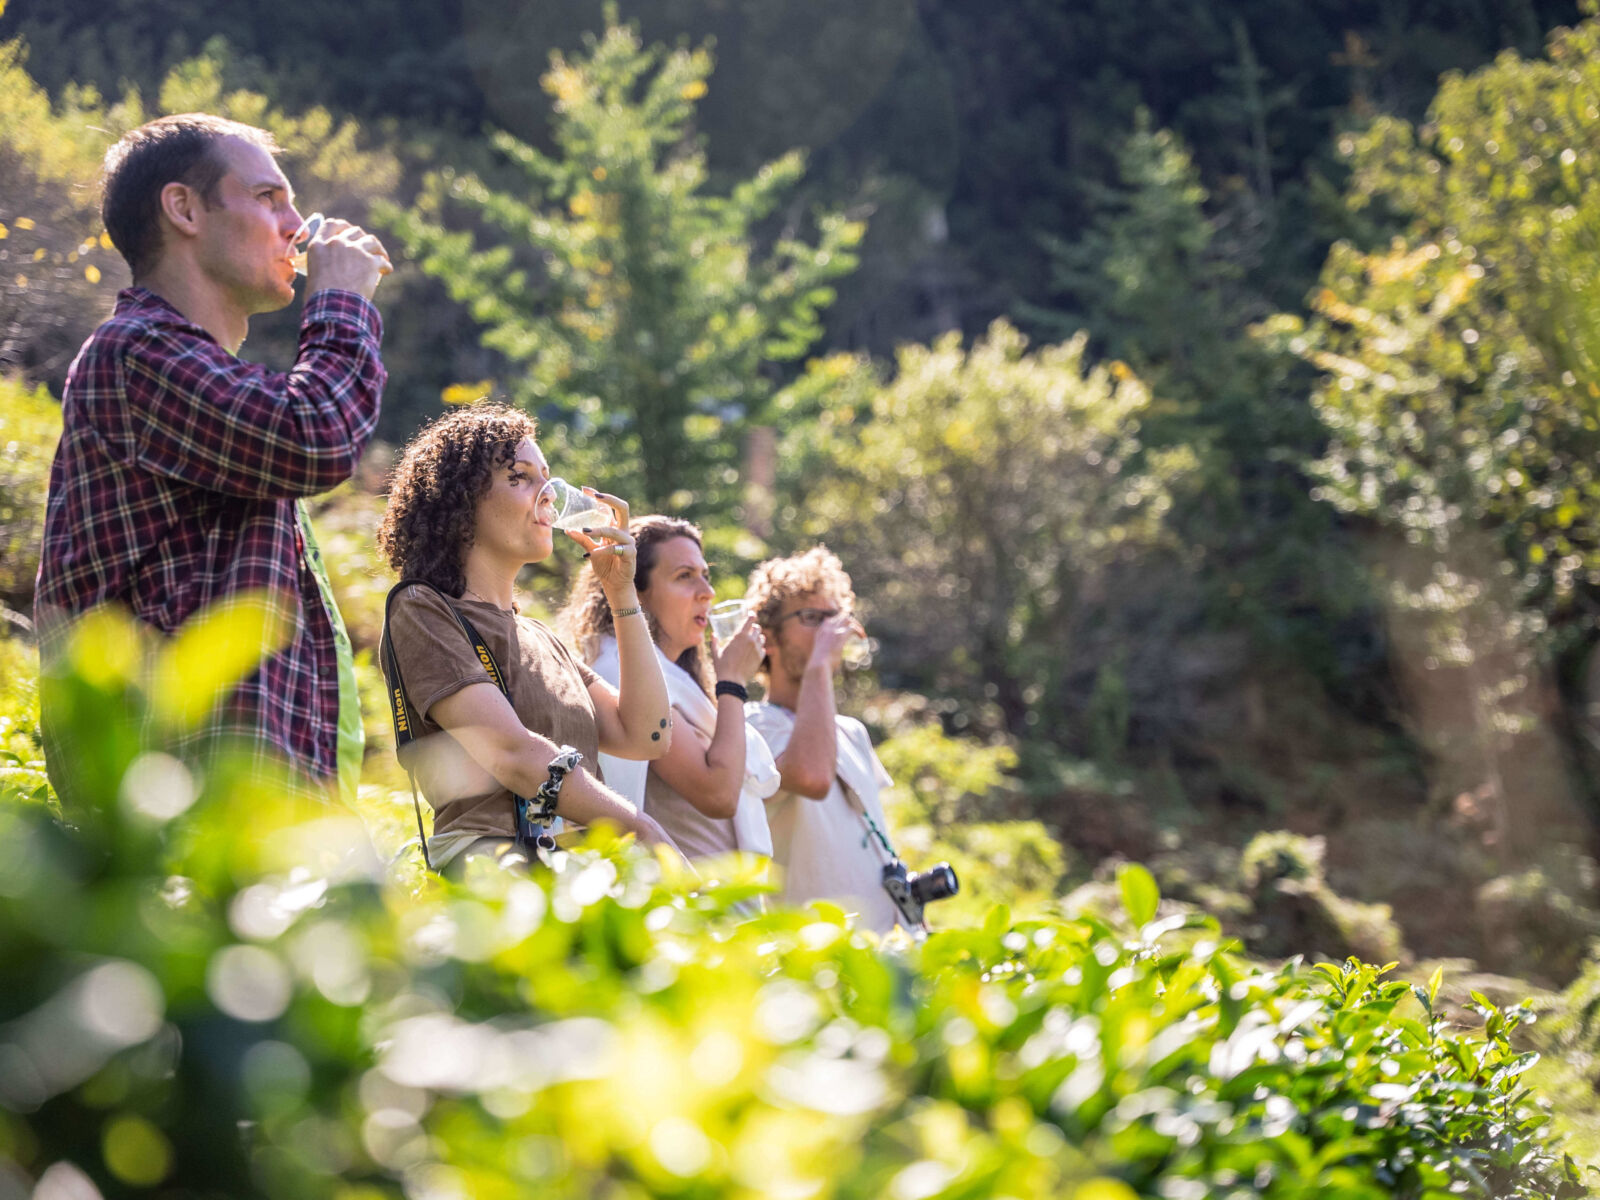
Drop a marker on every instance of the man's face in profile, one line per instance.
(247, 231)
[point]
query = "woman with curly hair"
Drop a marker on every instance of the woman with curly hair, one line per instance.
(469, 506)
(707, 790)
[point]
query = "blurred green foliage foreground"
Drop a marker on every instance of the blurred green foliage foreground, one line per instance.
(209, 988)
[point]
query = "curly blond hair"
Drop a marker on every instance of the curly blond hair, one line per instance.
(778, 580)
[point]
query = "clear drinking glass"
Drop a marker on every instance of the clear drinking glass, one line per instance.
(726, 619)
(308, 230)
(575, 509)
(858, 652)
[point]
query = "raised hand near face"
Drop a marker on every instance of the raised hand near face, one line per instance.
(345, 257)
(831, 637)
(613, 556)
(739, 657)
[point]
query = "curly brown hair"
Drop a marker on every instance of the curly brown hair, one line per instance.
(586, 618)
(776, 581)
(436, 486)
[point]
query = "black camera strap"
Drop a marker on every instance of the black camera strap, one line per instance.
(406, 717)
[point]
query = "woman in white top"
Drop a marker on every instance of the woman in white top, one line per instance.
(708, 790)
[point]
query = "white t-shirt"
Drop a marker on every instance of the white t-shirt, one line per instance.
(823, 846)
(625, 776)
(695, 833)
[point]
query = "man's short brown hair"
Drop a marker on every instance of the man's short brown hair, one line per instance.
(178, 149)
(778, 580)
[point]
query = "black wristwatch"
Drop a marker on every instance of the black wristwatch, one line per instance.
(563, 764)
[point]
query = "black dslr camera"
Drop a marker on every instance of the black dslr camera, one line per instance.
(912, 890)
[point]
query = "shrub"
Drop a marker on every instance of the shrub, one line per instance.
(1278, 856)
(207, 986)
(1574, 1029)
(1534, 922)
(929, 486)
(30, 427)
(1294, 911)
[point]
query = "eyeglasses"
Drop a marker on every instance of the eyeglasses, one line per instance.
(810, 617)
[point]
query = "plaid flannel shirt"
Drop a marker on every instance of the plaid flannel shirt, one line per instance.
(175, 485)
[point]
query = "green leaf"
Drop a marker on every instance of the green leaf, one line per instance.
(213, 653)
(997, 920)
(1140, 895)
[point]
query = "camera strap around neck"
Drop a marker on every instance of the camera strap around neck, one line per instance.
(855, 802)
(406, 717)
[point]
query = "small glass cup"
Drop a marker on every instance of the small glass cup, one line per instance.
(307, 231)
(858, 652)
(575, 509)
(727, 618)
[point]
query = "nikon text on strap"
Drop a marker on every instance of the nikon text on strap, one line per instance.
(406, 717)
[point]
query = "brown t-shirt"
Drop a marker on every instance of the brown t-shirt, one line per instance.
(696, 834)
(549, 691)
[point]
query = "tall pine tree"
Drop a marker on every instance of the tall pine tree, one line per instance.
(639, 313)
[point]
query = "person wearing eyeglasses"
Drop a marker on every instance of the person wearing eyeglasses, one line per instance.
(826, 819)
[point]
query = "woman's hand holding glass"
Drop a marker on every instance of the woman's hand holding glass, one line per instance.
(737, 659)
(610, 548)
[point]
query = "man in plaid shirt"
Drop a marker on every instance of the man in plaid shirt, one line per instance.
(181, 467)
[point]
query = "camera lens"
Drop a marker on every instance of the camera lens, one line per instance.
(938, 882)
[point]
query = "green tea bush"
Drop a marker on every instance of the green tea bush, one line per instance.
(209, 987)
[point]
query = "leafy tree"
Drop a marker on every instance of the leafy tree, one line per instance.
(1461, 389)
(634, 304)
(360, 59)
(983, 496)
(1160, 278)
(1146, 275)
(967, 130)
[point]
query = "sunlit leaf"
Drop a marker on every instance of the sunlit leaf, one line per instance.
(136, 1152)
(213, 652)
(1140, 895)
(106, 648)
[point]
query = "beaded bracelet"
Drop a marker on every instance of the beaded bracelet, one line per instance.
(627, 612)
